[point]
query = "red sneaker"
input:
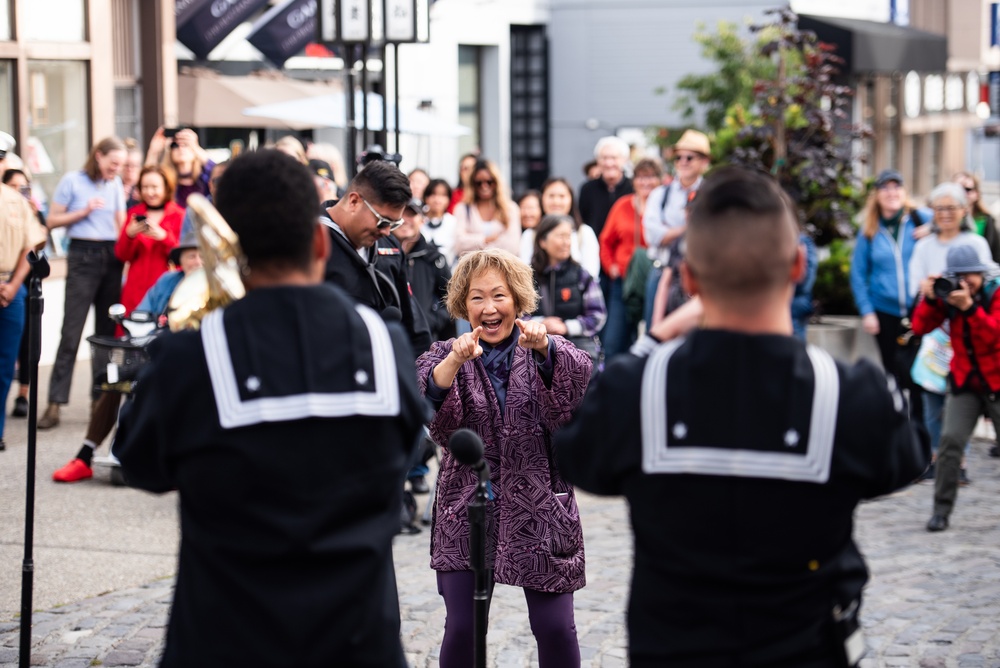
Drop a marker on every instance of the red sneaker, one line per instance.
(75, 471)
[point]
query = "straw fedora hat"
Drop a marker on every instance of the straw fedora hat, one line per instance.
(692, 140)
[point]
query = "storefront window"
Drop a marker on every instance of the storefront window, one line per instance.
(7, 97)
(38, 23)
(58, 119)
(5, 35)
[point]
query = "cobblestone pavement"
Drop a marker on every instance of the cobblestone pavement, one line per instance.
(934, 599)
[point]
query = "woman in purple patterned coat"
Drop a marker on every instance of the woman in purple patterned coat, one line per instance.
(514, 385)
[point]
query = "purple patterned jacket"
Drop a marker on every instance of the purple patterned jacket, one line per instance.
(539, 541)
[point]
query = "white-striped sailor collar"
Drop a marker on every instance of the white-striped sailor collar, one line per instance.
(812, 466)
(234, 411)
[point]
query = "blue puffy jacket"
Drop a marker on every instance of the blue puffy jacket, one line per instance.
(880, 269)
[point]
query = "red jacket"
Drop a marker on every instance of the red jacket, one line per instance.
(619, 235)
(980, 326)
(147, 258)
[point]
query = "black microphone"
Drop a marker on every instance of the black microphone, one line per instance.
(467, 448)
(392, 314)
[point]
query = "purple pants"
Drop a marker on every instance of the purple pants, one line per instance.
(550, 617)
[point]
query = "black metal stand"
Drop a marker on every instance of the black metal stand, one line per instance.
(483, 574)
(39, 270)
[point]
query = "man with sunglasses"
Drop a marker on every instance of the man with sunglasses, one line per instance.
(365, 259)
(664, 220)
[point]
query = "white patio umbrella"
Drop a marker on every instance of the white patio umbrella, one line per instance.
(329, 111)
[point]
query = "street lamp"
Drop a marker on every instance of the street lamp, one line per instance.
(361, 24)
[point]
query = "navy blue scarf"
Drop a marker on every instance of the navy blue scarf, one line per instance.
(498, 361)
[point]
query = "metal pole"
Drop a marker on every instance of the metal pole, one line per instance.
(481, 572)
(364, 96)
(350, 125)
(385, 101)
(39, 270)
(395, 89)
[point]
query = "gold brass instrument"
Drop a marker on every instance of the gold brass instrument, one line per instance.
(218, 281)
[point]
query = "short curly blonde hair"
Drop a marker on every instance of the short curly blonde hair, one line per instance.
(516, 273)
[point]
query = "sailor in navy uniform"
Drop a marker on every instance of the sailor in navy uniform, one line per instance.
(743, 454)
(285, 555)
(365, 260)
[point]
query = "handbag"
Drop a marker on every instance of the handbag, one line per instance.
(933, 361)
(634, 285)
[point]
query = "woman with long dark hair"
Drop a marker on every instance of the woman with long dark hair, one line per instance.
(570, 303)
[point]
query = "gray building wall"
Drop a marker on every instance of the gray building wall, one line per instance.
(609, 57)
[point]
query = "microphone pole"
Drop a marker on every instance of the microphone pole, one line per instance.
(467, 448)
(39, 270)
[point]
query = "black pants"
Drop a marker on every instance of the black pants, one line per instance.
(893, 362)
(93, 276)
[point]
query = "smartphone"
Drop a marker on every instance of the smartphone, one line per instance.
(141, 219)
(170, 132)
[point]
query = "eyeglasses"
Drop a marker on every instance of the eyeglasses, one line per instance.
(383, 222)
(485, 182)
(970, 190)
(686, 158)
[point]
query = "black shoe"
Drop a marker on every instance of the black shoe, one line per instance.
(419, 486)
(409, 529)
(928, 474)
(3, 446)
(963, 478)
(20, 407)
(995, 451)
(937, 523)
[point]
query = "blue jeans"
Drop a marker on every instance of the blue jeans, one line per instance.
(11, 326)
(618, 333)
(652, 283)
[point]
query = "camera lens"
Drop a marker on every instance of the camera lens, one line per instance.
(944, 286)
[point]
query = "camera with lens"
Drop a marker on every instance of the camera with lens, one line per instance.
(375, 153)
(945, 285)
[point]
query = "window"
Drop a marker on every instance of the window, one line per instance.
(39, 26)
(5, 33)
(59, 119)
(7, 114)
(529, 107)
(468, 96)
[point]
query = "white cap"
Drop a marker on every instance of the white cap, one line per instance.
(7, 143)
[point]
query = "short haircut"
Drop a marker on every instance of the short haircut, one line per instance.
(269, 199)
(516, 273)
(381, 182)
(168, 181)
(742, 235)
(434, 185)
(648, 166)
(9, 174)
(949, 189)
(619, 145)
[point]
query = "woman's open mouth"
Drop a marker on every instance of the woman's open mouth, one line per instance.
(491, 326)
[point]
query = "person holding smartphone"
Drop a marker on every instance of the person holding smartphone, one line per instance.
(179, 153)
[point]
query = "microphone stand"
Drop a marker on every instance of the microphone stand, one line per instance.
(477, 559)
(39, 270)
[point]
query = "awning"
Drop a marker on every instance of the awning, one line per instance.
(211, 100)
(329, 111)
(869, 46)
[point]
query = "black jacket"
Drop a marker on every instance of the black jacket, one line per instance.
(743, 511)
(380, 283)
(596, 200)
(429, 274)
(289, 454)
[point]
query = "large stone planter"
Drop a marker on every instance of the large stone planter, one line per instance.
(843, 337)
